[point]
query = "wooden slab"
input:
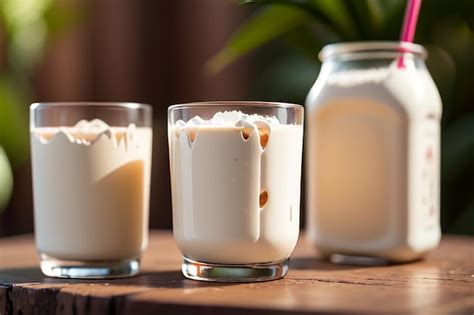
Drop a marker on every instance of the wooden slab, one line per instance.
(442, 283)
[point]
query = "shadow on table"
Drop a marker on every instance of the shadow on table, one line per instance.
(165, 279)
(170, 279)
(175, 279)
(338, 263)
(21, 275)
(151, 279)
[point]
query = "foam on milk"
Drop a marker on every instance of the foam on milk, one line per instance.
(228, 118)
(88, 132)
(91, 190)
(235, 187)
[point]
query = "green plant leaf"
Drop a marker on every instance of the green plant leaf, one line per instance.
(305, 41)
(6, 180)
(393, 11)
(376, 13)
(328, 12)
(463, 222)
(457, 148)
(336, 15)
(26, 31)
(293, 75)
(61, 16)
(267, 25)
(13, 121)
(367, 17)
(467, 13)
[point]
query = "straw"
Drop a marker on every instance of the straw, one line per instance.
(409, 25)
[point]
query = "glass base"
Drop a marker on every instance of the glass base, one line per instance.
(234, 273)
(53, 267)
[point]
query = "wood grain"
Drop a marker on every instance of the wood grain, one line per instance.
(442, 283)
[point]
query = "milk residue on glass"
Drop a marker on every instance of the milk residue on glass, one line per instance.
(236, 184)
(100, 201)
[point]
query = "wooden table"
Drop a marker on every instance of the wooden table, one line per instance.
(442, 283)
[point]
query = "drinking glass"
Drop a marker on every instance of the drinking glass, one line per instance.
(235, 175)
(91, 184)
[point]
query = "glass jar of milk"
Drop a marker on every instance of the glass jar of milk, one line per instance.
(373, 134)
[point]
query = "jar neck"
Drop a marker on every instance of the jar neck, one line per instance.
(371, 49)
(368, 55)
(346, 63)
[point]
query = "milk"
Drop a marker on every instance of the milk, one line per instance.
(91, 190)
(373, 162)
(236, 188)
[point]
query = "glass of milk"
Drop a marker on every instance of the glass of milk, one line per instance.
(235, 179)
(91, 184)
(373, 124)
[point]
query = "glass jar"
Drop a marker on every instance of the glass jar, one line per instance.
(373, 135)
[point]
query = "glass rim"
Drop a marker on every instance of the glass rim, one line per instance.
(124, 105)
(237, 104)
(332, 50)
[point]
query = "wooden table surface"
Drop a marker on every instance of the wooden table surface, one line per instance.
(442, 283)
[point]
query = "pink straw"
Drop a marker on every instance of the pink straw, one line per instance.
(409, 25)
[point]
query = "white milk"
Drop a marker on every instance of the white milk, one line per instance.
(236, 188)
(373, 163)
(91, 190)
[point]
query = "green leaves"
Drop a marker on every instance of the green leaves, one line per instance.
(13, 120)
(458, 148)
(279, 20)
(27, 25)
(457, 174)
(25, 29)
(305, 41)
(335, 15)
(6, 180)
(267, 25)
(345, 20)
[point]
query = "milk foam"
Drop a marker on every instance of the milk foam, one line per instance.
(88, 132)
(228, 118)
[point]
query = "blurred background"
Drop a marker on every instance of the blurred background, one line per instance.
(166, 52)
